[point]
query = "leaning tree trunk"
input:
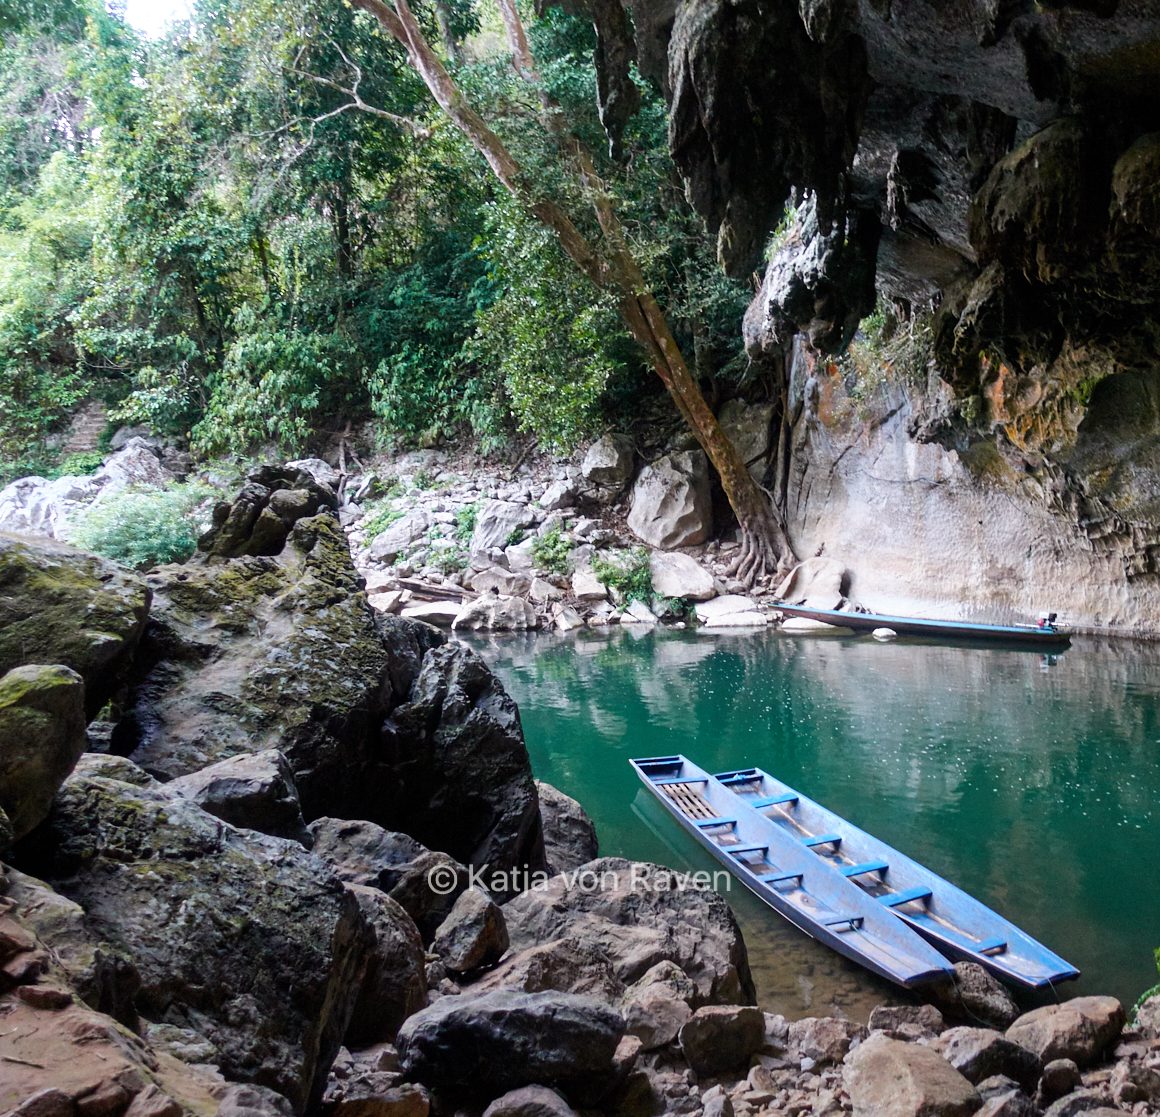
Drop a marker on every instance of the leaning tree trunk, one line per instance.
(764, 543)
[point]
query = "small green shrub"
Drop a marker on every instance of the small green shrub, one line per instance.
(628, 574)
(515, 537)
(465, 520)
(449, 560)
(550, 551)
(143, 527)
(381, 519)
(424, 480)
(78, 465)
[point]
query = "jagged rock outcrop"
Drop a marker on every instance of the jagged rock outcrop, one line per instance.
(60, 605)
(569, 834)
(246, 940)
(282, 651)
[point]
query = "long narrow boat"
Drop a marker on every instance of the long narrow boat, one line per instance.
(956, 923)
(1051, 637)
(781, 871)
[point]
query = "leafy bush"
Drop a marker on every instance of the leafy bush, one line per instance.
(628, 575)
(78, 465)
(381, 519)
(465, 520)
(143, 527)
(515, 537)
(550, 551)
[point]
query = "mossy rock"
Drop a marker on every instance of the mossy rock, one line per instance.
(61, 605)
(42, 735)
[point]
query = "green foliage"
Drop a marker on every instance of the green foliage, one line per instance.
(78, 465)
(381, 518)
(515, 537)
(627, 574)
(143, 527)
(465, 520)
(1147, 992)
(550, 551)
(779, 238)
(887, 348)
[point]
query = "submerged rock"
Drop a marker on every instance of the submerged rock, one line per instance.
(60, 605)
(42, 735)
(483, 1046)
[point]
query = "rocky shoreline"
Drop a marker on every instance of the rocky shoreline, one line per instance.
(241, 813)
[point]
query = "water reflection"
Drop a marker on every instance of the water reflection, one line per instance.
(1030, 783)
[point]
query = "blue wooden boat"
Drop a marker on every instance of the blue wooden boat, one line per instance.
(1050, 637)
(779, 869)
(956, 923)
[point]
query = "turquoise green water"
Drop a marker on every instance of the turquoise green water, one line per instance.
(1030, 783)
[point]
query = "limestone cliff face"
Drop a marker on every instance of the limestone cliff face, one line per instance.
(977, 531)
(991, 164)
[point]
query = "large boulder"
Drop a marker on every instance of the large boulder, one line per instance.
(497, 521)
(492, 612)
(1081, 1029)
(671, 502)
(474, 934)
(608, 462)
(464, 781)
(890, 1078)
(484, 1046)
(425, 883)
(397, 538)
(42, 735)
(394, 983)
(264, 652)
(259, 519)
(60, 605)
(565, 965)
(569, 834)
(254, 790)
(979, 1053)
(247, 940)
(720, 1038)
(637, 915)
(977, 996)
(678, 575)
(135, 465)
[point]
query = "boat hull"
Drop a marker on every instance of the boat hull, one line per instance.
(907, 960)
(952, 920)
(1026, 636)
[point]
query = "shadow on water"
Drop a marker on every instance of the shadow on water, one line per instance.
(1030, 781)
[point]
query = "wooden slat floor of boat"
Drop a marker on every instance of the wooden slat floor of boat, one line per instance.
(688, 800)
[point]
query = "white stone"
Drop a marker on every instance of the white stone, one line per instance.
(543, 591)
(491, 612)
(322, 472)
(804, 626)
(671, 504)
(502, 581)
(396, 538)
(136, 464)
(738, 620)
(884, 634)
(678, 575)
(387, 602)
(568, 618)
(586, 586)
(440, 613)
(559, 494)
(721, 606)
(639, 612)
(495, 524)
(519, 555)
(608, 462)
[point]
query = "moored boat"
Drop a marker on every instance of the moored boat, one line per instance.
(784, 873)
(955, 922)
(1047, 636)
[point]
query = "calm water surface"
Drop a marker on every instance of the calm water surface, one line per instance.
(1031, 783)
